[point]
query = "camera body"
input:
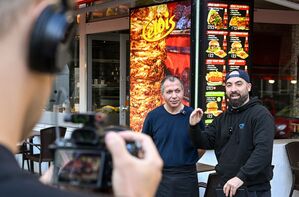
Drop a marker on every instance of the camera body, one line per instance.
(83, 160)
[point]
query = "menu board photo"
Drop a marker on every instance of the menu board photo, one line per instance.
(226, 46)
(160, 45)
(239, 17)
(238, 45)
(217, 44)
(217, 16)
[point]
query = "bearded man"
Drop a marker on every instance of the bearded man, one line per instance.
(242, 138)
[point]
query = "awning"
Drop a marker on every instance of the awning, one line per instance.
(293, 4)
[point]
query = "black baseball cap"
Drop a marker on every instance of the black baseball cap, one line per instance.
(238, 73)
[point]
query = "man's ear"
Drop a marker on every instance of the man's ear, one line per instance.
(249, 85)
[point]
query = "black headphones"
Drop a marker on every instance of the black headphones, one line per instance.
(50, 38)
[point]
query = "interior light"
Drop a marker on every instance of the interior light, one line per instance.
(271, 81)
(78, 18)
(293, 81)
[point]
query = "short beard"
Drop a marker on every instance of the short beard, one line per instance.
(235, 103)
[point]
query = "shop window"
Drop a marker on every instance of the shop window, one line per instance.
(275, 74)
(105, 74)
(65, 91)
(74, 78)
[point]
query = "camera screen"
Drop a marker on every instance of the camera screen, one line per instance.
(77, 167)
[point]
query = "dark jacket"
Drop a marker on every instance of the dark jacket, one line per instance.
(243, 142)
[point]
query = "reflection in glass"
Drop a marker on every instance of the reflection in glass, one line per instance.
(273, 73)
(65, 91)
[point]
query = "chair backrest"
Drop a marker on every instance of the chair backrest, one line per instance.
(292, 149)
(214, 190)
(47, 137)
(212, 183)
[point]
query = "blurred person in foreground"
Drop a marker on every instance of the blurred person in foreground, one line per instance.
(24, 93)
(168, 126)
(242, 138)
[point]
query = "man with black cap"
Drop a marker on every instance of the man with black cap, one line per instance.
(242, 138)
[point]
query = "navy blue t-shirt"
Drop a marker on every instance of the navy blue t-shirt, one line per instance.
(170, 134)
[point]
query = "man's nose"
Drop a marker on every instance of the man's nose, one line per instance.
(233, 88)
(174, 94)
(230, 90)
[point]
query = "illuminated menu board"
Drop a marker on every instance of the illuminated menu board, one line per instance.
(225, 35)
(160, 45)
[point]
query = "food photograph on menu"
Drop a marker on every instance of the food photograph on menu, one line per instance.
(239, 17)
(214, 78)
(215, 105)
(217, 16)
(159, 46)
(238, 45)
(214, 47)
(214, 88)
(215, 75)
(217, 44)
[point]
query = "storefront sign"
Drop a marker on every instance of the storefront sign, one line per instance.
(159, 45)
(154, 30)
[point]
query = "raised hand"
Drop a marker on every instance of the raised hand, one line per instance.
(195, 116)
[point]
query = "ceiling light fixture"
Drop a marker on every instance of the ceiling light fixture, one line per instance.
(293, 81)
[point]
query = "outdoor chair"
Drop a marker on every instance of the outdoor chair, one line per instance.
(213, 189)
(23, 150)
(212, 183)
(47, 137)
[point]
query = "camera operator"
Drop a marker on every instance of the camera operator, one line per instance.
(25, 87)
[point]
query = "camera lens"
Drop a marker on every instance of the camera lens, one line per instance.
(134, 148)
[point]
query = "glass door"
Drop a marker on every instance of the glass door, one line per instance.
(107, 64)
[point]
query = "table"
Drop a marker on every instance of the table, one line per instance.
(201, 167)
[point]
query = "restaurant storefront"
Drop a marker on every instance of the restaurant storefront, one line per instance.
(98, 78)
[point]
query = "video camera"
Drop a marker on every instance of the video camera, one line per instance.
(83, 160)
